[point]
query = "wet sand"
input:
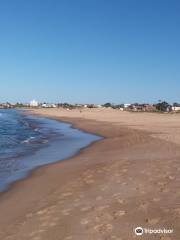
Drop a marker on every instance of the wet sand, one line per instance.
(131, 178)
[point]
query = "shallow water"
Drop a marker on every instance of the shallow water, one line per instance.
(27, 142)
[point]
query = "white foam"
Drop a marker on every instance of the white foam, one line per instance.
(27, 140)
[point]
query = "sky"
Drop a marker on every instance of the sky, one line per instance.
(90, 51)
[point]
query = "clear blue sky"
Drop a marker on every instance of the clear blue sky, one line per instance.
(90, 50)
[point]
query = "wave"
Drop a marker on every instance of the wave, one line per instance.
(27, 140)
(36, 129)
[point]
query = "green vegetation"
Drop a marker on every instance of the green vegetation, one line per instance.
(163, 107)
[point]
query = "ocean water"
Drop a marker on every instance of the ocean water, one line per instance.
(27, 142)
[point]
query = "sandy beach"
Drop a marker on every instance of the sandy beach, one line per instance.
(129, 179)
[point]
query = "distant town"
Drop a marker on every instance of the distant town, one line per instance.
(160, 106)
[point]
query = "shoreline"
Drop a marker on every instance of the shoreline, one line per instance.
(98, 185)
(35, 155)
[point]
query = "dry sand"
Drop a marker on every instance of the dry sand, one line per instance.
(129, 179)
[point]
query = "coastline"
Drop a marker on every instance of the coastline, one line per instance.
(109, 184)
(48, 141)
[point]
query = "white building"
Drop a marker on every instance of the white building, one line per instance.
(53, 105)
(48, 105)
(126, 105)
(177, 108)
(34, 103)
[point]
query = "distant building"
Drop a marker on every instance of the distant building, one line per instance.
(99, 106)
(6, 105)
(149, 108)
(176, 108)
(34, 103)
(127, 105)
(48, 105)
(136, 107)
(44, 105)
(53, 105)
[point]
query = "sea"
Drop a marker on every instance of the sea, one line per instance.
(28, 142)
